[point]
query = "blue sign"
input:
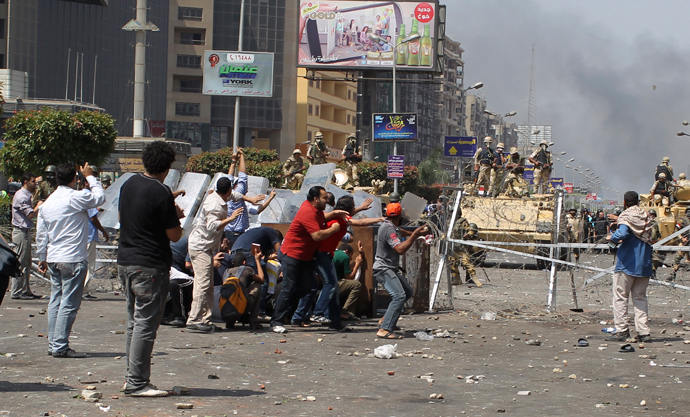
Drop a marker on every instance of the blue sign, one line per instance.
(462, 146)
(556, 182)
(394, 127)
(528, 174)
(396, 166)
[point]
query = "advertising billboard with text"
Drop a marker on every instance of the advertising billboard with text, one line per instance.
(336, 34)
(394, 127)
(231, 73)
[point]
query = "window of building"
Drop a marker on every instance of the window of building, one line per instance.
(348, 119)
(311, 83)
(318, 108)
(354, 120)
(310, 109)
(189, 61)
(318, 83)
(191, 38)
(190, 85)
(349, 94)
(187, 132)
(187, 109)
(2, 28)
(190, 13)
(309, 136)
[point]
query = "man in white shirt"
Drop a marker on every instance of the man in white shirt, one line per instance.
(204, 241)
(62, 237)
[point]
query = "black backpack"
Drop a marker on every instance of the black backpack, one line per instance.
(9, 261)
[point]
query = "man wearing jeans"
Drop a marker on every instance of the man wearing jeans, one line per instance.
(61, 237)
(296, 254)
(633, 269)
(149, 220)
(389, 247)
(22, 214)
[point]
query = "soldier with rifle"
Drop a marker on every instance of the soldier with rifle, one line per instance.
(318, 150)
(352, 155)
(292, 171)
(484, 160)
(543, 163)
(48, 185)
(462, 255)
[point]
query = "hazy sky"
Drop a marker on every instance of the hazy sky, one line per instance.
(612, 77)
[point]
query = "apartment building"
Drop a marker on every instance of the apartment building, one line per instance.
(476, 120)
(207, 122)
(326, 103)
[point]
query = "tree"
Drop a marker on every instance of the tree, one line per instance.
(429, 169)
(260, 163)
(38, 138)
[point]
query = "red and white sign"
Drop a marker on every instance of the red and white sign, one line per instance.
(568, 187)
(591, 196)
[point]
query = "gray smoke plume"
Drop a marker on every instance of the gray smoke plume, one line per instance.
(615, 104)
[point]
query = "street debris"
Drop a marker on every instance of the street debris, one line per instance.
(184, 406)
(424, 336)
(386, 352)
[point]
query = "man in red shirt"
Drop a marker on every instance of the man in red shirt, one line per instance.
(296, 254)
(327, 309)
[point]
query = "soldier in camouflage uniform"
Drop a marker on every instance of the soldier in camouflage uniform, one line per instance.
(318, 151)
(573, 228)
(352, 154)
(292, 171)
(657, 257)
(48, 185)
(462, 253)
(684, 239)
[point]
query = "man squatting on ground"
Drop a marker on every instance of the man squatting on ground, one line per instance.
(633, 269)
(63, 225)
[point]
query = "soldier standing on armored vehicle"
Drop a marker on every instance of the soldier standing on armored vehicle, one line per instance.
(292, 170)
(352, 155)
(318, 150)
(660, 193)
(497, 170)
(48, 185)
(462, 255)
(483, 163)
(665, 168)
(541, 158)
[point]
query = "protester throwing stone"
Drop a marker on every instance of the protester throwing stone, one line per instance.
(633, 269)
(389, 247)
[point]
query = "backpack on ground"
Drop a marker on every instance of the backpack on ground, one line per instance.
(233, 298)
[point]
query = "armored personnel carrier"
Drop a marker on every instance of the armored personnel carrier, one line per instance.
(520, 220)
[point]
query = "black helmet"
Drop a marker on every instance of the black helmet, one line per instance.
(105, 178)
(394, 197)
(652, 212)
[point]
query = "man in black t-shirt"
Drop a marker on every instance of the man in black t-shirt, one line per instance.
(149, 220)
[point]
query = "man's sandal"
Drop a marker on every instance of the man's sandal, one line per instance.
(389, 335)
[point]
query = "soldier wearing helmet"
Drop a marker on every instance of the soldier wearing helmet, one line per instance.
(352, 155)
(318, 151)
(496, 177)
(484, 160)
(665, 168)
(292, 170)
(543, 163)
(661, 190)
(682, 182)
(573, 229)
(463, 254)
(106, 180)
(48, 185)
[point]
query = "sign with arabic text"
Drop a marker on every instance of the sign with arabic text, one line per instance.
(394, 127)
(461, 146)
(228, 73)
(396, 166)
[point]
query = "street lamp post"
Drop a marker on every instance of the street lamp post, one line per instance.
(375, 38)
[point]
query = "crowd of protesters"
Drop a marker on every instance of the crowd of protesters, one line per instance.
(179, 281)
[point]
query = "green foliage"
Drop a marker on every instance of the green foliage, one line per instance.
(269, 169)
(429, 192)
(429, 172)
(370, 170)
(219, 161)
(37, 138)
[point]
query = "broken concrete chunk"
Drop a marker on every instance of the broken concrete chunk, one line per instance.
(184, 406)
(180, 390)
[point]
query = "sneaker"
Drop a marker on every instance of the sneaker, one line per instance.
(279, 329)
(148, 391)
(644, 338)
(177, 323)
(201, 327)
(618, 336)
(320, 319)
(69, 353)
(264, 318)
(89, 297)
(24, 297)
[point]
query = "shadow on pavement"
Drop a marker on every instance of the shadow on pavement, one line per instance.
(210, 392)
(7, 386)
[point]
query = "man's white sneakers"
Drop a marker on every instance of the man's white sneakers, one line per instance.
(279, 329)
(148, 391)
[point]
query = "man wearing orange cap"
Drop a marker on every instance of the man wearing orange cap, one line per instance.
(389, 247)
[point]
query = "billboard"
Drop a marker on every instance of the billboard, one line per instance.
(394, 127)
(335, 34)
(462, 146)
(228, 73)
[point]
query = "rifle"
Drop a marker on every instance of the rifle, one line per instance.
(291, 173)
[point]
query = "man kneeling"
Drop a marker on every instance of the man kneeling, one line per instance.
(251, 280)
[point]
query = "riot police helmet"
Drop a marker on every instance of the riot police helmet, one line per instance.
(394, 197)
